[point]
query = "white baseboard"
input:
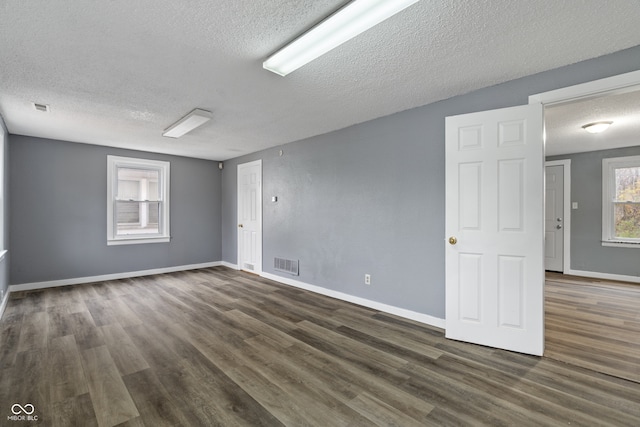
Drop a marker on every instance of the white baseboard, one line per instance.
(3, 305)
(229, 265)
(401, 312)
(407, 314)
(102, 278)
(605, 276)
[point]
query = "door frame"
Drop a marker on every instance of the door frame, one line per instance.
(618, 84)
(622, 83)
(258, 269)
(566, 210)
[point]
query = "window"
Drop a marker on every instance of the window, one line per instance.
(137, 201)
(621, 201)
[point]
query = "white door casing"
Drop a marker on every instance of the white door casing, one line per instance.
(250, 216)
(494, 209)
(554, 218)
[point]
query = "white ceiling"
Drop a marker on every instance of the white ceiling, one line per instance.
(563, 124)
(118, 72)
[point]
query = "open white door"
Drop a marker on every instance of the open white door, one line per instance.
(250, 216)
(495, 228)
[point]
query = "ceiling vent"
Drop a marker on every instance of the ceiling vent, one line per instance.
(41, 107)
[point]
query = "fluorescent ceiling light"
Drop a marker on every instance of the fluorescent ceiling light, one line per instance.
(188, 123)
(349, 21)
(597, 127)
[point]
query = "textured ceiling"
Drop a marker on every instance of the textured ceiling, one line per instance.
(118, 72)
(563, 124)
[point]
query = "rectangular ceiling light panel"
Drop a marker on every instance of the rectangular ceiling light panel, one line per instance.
(349, 21)
(188, 123)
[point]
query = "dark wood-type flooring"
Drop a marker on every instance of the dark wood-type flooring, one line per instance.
(594, 324)
(219, 347)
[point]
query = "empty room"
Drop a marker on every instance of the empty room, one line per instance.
(319, 213)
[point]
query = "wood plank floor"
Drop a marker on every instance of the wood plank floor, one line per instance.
(219, 347)
(594, 324)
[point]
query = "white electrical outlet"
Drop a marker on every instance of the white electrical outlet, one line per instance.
(367, 279)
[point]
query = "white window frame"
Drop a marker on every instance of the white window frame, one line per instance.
(163, 168)
(608, 193)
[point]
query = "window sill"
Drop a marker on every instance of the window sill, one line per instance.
(618, 244)
(137, 241)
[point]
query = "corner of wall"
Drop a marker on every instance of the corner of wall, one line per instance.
(4, 215)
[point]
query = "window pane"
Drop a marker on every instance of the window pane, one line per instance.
(137, 218)
(627, 220)
(153, 214)
(128, 213)
(138, 184)
(128, 190)
(628, 184)
(153, 192)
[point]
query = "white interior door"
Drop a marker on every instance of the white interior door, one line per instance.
(554, 218)
(494, 225)
(250, 216)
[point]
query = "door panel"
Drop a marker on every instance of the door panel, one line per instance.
(470, 181)
(250, 216)
(494, 210)
(510, 195)
(511, 291)
(470, 286)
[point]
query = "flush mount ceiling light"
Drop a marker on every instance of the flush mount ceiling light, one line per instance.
(349, 21)
(188, 123)
(597, 127)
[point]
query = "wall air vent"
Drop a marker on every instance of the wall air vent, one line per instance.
(41, 107)
(286, 265)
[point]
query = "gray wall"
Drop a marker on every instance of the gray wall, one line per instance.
(370, 198)
(4, 207)
(58, 213)
(587, 252)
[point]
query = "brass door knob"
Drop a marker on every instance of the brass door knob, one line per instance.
(453, 240)
(240, 225)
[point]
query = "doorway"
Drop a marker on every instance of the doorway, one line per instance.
(557, 236)
(573, 302)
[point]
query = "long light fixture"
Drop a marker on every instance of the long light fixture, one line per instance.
(597, 127)
(349, 21)
(188, 123)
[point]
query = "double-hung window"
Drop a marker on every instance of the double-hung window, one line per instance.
(621, 201)
(137, 201)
